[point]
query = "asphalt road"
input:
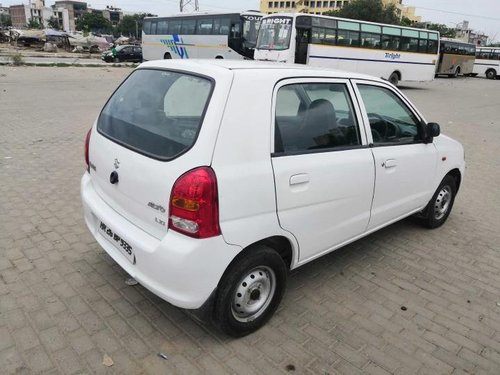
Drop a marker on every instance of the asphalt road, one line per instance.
(404, 300)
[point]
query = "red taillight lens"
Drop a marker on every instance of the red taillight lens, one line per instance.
(87, 142)
(194, 205)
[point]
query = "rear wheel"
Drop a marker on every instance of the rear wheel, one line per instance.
(491, 74)
(439, 207)
(250, 291)
(167, 56)
(455, 73)
(394, 78)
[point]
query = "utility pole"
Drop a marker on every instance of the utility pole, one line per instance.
(189, 6)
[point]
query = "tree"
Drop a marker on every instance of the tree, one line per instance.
(368, 10)
(53, 23)
(130, 24)
(33, 24)
(5, 20)
(444, 30)
(94, 22)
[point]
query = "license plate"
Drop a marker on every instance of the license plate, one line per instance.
(119, 242)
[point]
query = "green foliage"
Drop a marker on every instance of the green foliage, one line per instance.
(53, 23)
(5, 20)
(94, 22)
(17, 59)
(368, 10)
(130, 24)
(32, 24)
(444, 30)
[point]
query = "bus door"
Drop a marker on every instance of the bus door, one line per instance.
(302, 43)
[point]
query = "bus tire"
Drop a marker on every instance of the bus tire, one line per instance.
(167, 56)
(394, 78)
(491, 74)
(219, 57)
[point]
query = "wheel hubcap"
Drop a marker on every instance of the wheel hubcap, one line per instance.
(442, 202)
(253, 294)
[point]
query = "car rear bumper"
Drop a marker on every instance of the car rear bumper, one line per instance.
(181, 270)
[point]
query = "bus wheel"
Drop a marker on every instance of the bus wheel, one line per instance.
(219, 57)
(491, 74)
(167, 56)
(394, 78)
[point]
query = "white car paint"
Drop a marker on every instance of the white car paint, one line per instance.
(316, 202)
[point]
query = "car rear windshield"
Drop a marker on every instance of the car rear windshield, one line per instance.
(156, 112)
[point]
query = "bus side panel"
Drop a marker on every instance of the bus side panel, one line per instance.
(411, 66)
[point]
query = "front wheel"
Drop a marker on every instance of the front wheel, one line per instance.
(250, 291)
(394, 78)
(439, 207)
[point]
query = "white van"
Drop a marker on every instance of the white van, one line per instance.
(207, 181)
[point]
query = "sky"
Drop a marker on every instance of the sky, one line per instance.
(483, 15)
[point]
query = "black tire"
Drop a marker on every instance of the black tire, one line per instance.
(455, 73)
(394, 78)
(439, 207)
(167, 56)
(255, 280)
(491, 74)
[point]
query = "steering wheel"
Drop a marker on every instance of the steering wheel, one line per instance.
(388, 130)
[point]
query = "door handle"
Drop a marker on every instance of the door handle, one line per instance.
(389, 163)
(297, 179)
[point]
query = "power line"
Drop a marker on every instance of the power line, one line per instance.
(460, 14)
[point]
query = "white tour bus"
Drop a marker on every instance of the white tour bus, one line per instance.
(487, 62)
(387, 51)
(201, 35)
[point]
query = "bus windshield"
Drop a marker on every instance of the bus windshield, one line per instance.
(250, 29)
(275, 33)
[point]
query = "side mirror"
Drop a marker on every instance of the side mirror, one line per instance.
(432, 130)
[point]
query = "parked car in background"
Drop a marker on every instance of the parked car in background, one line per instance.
(207, 181)
(125, 53)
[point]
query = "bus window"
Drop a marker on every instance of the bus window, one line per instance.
(354, 26)
(495, 55)
(162, 28)
(347, 38)
(147, 27)
(188, 26)
(317, 35)
(330, 36)
(369, 40)
(422, 45)
(235, 30)
(204, 26)
(153, 27)
(432, 46)
(391, 38)
(174, 27)
(409, 41)
(224, 26)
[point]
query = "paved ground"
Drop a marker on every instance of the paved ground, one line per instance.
(402, 301)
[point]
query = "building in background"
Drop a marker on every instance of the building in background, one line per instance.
(75, 9)
(19, 15)
(320, 7)
(466, 34)
(112, 14)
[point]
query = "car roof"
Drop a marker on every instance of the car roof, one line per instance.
(292, 70)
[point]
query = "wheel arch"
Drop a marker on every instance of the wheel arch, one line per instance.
(457, 176)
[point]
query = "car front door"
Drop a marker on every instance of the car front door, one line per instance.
(405, 164)
(323, 168)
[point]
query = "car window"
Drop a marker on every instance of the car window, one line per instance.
(157, 113)
(314, 116)
(391, 121)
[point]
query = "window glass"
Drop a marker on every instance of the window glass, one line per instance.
(432, 46)
(224, 26)
(496, 55)
(204, 26)
(422, 45)
(371, 28)
(391, 31)
(410, 33)
(348, 38)
(424, 35)
(409, 44)
(174, 27)
(147, 27)
(153, 27)
(275, 33)
(314, 116)
(369, 40)
(155, 112)
(162, 28)
(390, 42)
(433, 36)
(188, 27)
(348, 25)
(391, 121)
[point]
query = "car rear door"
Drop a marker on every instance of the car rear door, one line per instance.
(323, 168)
(405, 165)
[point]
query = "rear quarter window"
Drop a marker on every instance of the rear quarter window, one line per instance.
(157, 113)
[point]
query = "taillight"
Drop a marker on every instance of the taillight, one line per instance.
(194, 205)
(87, 142)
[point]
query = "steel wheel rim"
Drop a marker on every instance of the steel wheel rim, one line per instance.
(442, 202)
(253, 294)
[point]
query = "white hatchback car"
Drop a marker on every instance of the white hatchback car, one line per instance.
(207, 181)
